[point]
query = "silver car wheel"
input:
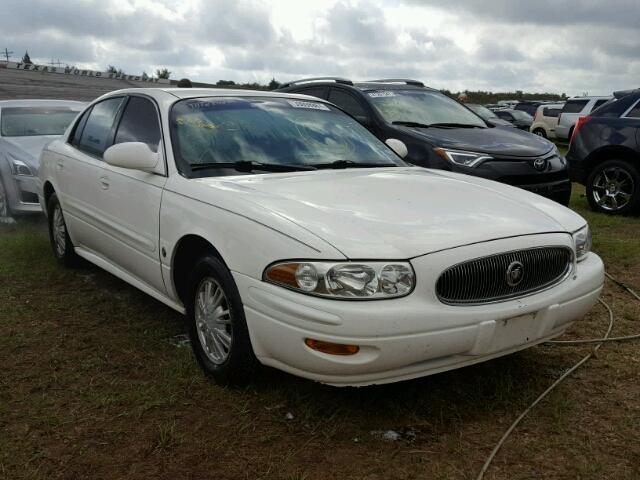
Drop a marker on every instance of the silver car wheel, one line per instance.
(213, 320)
(4, 201)
(59, 231)
(613, 188)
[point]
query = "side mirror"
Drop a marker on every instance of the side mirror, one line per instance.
(397, 146)
(132, 155)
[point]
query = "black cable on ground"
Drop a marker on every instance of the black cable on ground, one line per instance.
(598, 343)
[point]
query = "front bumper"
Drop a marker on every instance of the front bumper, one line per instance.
(552, 183)
(416, 335)
(22, 193)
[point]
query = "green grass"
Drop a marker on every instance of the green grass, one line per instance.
(91, 386)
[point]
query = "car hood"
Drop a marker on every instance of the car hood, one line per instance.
(398, 213)
(27, 149)
(494, 141)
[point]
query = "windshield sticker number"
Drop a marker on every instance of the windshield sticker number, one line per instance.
(310, 105)
(381, 93)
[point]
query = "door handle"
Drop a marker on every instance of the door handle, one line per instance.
(60, 165)
(104, 183)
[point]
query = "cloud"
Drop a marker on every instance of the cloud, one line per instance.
(490, 45)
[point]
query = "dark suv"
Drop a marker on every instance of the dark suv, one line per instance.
(605, 154)
(442, 133)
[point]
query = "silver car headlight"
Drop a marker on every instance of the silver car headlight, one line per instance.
(582, 241)
(347, 280)
(19, 167)
(463, 158)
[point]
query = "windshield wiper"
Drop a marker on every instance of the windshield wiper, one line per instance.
(455, 125)
(351, 164)
(249, 166)
(410, 124)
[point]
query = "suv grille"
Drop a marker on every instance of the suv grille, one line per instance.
(495, 278)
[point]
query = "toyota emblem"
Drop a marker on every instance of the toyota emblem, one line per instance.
(540, 164)
(515, 273)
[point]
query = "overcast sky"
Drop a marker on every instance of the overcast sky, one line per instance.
(532, 45)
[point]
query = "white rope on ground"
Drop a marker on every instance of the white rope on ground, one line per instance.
(598, 343)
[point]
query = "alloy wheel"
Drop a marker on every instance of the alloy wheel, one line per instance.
(59, 231)
(613, 188)
(213, 320)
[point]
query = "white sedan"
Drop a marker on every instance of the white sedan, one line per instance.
(290, 236)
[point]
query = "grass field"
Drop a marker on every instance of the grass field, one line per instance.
(94, 384)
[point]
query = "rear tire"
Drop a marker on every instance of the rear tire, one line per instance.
(613, 187)
(217, 325)
(540, 132)
(61, 244)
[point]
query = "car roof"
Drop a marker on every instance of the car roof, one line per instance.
(365, 85)
(184, 93)
(41, 103)
(593, 97)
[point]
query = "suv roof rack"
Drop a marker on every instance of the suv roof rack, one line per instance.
(407, 81)
(344, 81)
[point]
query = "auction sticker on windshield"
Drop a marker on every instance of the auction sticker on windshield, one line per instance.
(311, 105)
(381, 93)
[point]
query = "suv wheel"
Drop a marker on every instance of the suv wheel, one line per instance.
(540, 132)
(614, 187)
(59, 235)
(217, 326)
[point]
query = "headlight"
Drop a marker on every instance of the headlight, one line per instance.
(19, 167)
(582, 241)
(465, 159)
(352, 280)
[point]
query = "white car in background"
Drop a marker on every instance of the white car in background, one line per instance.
(546, 119)
(573, 109)
(26, 126)
(290, 236)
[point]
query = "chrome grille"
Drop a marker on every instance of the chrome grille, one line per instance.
(484, 280)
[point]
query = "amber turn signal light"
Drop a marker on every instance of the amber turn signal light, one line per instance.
(331, 348)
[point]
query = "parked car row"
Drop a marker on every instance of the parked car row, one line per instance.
(294, 235)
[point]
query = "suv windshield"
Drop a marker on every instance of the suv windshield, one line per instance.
(484, 112)
(425, 107)
(34, 121)
(258, 132)
(520, 115)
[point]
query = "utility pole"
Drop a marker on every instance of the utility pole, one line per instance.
(54, 63)
(6, 53)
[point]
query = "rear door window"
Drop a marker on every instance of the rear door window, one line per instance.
(599, 103)
(347, 102)
(320, 92)
(551, 112)
(139, 123)
(574, 106)
(97, 133)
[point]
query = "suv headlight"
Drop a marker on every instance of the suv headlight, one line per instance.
(19, 167)
(582, 241)
(347, 280)
(462, 158)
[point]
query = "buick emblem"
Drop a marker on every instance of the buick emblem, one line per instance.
(515, 273)
(540, 164)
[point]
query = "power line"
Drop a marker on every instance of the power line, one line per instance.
(6, 53)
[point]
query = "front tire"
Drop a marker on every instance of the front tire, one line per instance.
(613, 187)
(5, 211)
(540, 132)
(217, 325)
(59, 235)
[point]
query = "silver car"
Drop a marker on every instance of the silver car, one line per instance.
(573, 109)
(26, 126)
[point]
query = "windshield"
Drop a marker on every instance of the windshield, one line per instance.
(520, 115)
(35, 121)
(269, 131)
(421, 106)
(484, 112)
